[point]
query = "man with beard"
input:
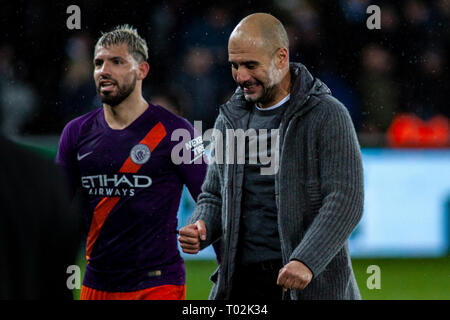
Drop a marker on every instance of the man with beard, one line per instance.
(285, 232)
(120, 156)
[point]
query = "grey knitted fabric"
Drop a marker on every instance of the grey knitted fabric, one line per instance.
(319, 191)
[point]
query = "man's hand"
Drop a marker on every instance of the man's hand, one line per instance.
(294, 275)
(190, 236)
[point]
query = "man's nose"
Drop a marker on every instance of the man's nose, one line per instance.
(242, 75)
(104, 70)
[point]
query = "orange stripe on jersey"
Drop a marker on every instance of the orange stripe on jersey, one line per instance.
(101, 211)
(105, 206)
(151, 140)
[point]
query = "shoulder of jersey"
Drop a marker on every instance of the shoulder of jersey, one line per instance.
(81, 120)
(171, 119)
(76, 125)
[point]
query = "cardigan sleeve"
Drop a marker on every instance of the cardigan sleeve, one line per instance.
(341, 182)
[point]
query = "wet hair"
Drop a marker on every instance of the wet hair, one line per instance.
(137, 46)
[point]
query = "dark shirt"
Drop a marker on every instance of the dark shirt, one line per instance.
(259, 228)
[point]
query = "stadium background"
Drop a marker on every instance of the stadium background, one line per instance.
(394, 81)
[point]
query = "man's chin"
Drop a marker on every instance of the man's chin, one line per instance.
(252, 97)
(111, 101)
(117, 95)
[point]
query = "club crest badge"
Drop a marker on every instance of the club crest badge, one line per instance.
(140, 154)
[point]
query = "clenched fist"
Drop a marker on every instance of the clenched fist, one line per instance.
(294, 275)
(190, 236)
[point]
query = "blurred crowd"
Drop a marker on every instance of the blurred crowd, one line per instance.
(394, 81)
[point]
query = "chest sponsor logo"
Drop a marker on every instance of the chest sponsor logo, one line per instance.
(140, 154)
(116, 185)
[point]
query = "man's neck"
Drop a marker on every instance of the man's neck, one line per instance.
(122, 115)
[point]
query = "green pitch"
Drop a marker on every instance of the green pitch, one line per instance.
(427, 279)
(406, 279)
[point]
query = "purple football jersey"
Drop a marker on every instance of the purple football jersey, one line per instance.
(133, 189)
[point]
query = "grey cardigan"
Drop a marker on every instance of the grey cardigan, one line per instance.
(319, 191)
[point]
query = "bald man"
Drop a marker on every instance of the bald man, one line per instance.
(284, 225)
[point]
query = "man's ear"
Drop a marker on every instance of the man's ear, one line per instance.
(282, 58)
(143, 69)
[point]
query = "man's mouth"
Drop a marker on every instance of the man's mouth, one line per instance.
(106, 85)
(250, 88)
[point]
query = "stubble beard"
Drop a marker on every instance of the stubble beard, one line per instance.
(123, 92)
(270, 89)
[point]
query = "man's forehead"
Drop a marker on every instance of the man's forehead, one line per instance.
(246, 50)
(112, 50)
(244, 40)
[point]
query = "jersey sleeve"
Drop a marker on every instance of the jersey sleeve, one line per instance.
(188, 154)
(66, 156)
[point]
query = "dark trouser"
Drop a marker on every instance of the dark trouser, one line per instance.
(257, 281)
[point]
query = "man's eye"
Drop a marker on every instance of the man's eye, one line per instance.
(250, 66)
(234, 65)
(117, 62)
